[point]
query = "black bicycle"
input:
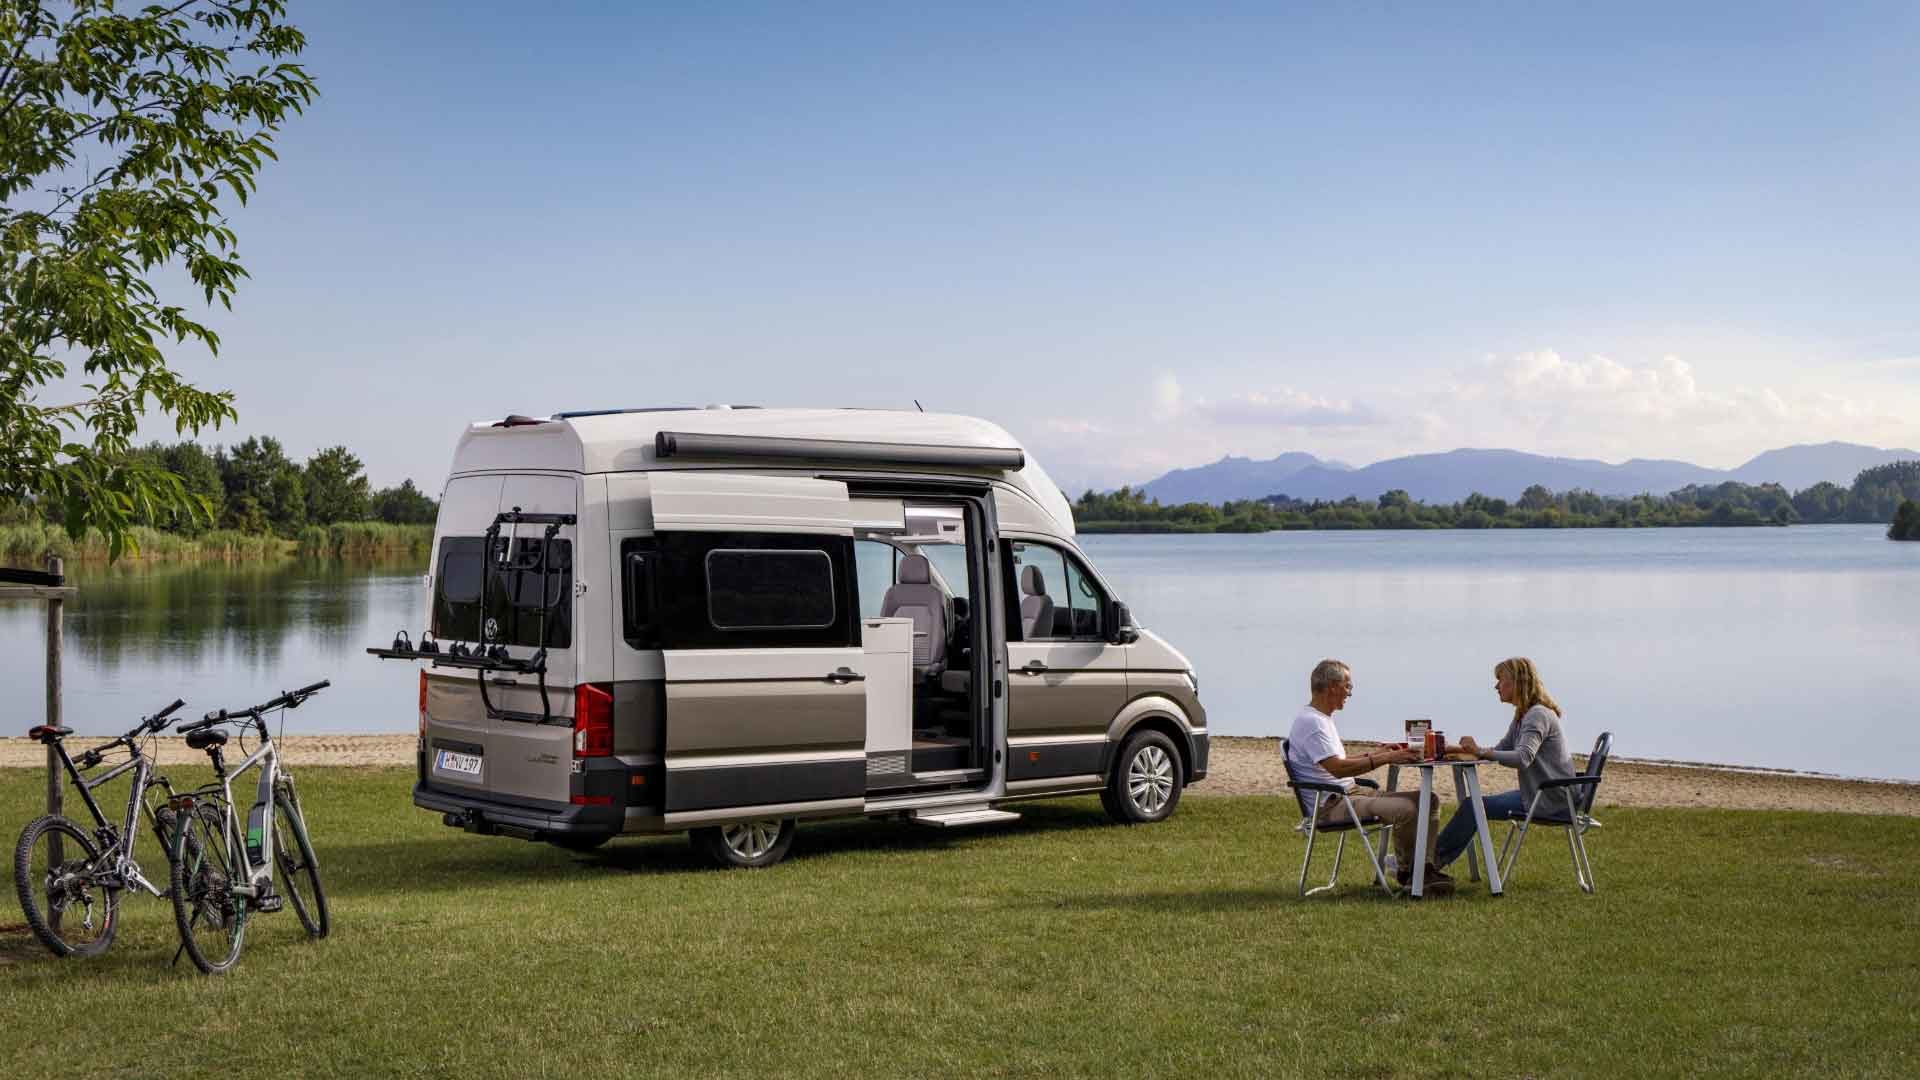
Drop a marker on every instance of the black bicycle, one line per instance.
(224, 872)
(70, 878)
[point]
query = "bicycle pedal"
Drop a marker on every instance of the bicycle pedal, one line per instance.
(266, 904)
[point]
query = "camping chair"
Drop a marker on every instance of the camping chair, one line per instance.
(1310, 795)
(1576, 794)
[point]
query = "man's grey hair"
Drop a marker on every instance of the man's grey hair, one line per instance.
(1329, 673)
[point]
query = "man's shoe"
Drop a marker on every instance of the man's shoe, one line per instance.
(1438, 882)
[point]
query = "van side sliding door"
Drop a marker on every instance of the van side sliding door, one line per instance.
(756, 603)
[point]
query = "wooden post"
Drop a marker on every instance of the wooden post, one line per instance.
(55, 617)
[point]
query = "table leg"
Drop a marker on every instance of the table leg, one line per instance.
(1494, 884)
(1420, 834)
(1463, 804)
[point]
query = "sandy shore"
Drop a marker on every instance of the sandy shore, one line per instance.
(1246, 766)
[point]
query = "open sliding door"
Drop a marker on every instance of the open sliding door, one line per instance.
(754, 591)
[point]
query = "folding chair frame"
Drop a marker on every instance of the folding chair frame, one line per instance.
(1311, 826)
(1576, 825)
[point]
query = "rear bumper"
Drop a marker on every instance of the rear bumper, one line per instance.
(529, 821)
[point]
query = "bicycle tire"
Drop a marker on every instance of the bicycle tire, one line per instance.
(295, 861)
(46, 892)
(211, 920)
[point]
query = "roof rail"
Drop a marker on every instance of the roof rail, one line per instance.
(668, 444)
(572, 413)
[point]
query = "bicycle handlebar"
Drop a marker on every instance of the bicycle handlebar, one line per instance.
(291, 700)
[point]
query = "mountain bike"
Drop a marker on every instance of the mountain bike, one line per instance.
(225, 870)
(69, 878)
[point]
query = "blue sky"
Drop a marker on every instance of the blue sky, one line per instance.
(1138, 236)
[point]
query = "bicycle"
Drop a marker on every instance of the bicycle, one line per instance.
(50, 884)
(224, 874)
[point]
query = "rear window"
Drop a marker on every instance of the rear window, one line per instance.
(517, 591)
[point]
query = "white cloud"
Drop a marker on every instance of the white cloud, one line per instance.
(1166, 400)
(1541, 401)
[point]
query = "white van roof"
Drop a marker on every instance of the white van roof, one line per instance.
(624, 441)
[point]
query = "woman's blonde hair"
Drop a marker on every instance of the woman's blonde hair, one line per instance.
(1527, 690)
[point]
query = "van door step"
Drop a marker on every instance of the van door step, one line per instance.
(947, 818)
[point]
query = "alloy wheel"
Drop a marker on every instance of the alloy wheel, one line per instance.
(1150, 779)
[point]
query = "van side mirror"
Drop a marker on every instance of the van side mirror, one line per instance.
(1120, 628)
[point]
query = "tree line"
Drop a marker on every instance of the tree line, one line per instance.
(1906, 522)
(253, 487)
(1876, 495)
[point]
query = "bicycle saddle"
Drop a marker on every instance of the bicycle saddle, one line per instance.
(46, 733)
(200, 740)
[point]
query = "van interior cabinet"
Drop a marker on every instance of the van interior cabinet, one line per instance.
(888, 644)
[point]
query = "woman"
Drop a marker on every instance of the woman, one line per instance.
(1533, 744)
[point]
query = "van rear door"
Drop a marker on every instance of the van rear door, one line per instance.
(758, 608)
(514, 758)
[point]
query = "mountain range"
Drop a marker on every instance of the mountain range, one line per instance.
(1504, 474)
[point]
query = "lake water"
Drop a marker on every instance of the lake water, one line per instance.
(1787, 648)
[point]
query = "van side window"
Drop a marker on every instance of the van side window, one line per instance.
(639, 593)
(1039, 574)
(715, 590)
(1087, 600)
(879, 567)
(1058, 600)
(762, 589)
(516, 591)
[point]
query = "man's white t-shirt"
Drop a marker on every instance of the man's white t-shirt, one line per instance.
(1313, 739)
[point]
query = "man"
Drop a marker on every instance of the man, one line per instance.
(1316, 753)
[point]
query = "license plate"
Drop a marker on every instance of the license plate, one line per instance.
(455, 762)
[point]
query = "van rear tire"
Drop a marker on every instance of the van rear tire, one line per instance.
(1146, 782)
(745, 845)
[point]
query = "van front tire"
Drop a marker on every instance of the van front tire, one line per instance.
(1146, 782)
(745, 844)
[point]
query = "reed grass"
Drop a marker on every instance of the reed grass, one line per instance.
(29, 543)
(358, 539)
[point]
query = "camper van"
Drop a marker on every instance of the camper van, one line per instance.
(727, 620)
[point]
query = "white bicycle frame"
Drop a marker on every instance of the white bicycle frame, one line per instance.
(235, 833)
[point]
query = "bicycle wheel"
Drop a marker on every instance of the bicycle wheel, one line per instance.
(54, 868)
(299, 872)
(211, 918)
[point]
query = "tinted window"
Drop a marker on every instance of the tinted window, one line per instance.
(524, 579)
(768, 590)
(753, 590)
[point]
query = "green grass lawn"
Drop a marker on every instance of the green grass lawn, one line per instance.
(1719, 942)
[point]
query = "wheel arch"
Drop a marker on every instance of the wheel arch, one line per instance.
(1152, 712)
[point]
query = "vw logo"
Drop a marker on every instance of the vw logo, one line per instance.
(492, 629)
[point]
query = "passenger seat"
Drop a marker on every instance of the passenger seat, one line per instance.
(916, 597)
(1036, 607)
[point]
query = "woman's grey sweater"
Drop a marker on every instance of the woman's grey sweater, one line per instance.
(1535, 745)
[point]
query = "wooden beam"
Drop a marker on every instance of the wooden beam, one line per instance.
(37, 592)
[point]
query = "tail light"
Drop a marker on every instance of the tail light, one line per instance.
(592, 721)
(423, 703)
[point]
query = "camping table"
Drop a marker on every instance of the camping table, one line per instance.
(1466, 785)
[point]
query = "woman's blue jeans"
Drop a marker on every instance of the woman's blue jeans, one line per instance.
(1459, 832)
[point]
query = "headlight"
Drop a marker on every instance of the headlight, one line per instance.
(1193, 682)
